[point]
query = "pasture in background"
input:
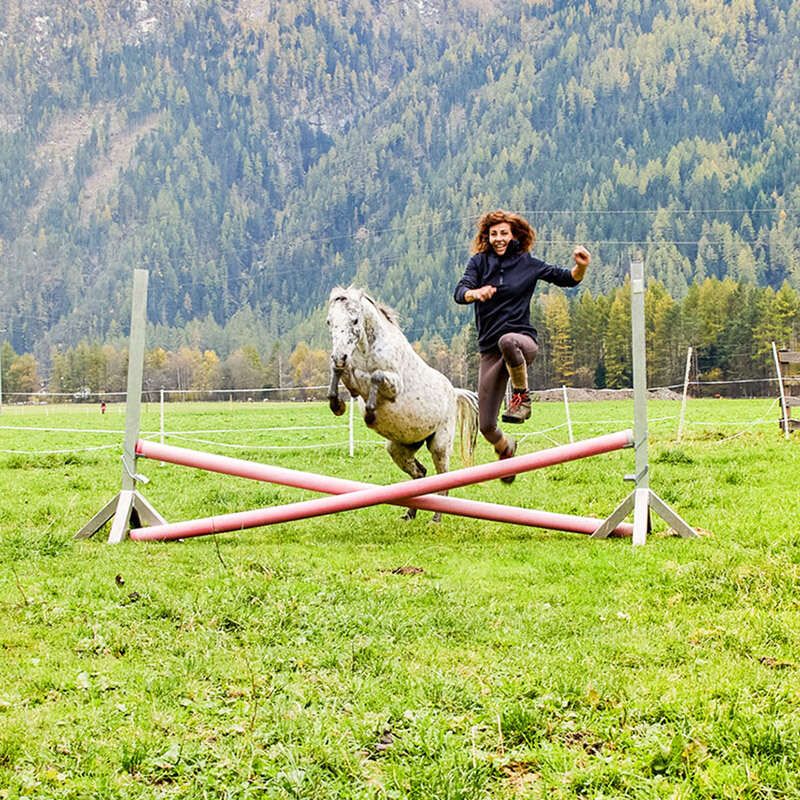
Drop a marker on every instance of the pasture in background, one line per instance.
(361, 656)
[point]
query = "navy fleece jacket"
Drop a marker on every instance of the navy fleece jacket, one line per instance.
(515, 275)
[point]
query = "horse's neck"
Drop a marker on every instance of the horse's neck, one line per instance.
(380, 337)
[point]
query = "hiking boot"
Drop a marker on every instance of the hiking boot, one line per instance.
(519, 409)
(509, 452)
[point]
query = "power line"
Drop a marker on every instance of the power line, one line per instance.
(365, 230)
(649, 244)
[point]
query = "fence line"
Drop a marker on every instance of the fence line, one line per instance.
(264, 447)
(197, 435)
(90, 398)
(60, 430)
(59, 452)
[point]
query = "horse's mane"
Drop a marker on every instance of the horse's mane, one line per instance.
(391, 315)
(387, 312)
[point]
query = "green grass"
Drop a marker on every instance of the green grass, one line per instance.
(299, 660)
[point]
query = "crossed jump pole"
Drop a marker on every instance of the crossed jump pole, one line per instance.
(349, 495)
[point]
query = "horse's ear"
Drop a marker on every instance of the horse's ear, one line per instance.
(337, 293)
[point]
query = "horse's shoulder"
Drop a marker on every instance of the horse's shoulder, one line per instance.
(425, 372)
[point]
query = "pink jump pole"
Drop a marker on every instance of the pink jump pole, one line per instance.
(362, 498)
(323, 483)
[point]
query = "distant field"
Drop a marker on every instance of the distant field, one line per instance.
(360, 656)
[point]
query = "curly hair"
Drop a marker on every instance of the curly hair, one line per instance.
(520, 228)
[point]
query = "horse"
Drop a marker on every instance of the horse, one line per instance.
(401, 397)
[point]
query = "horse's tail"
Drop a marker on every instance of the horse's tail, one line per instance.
(467, 423)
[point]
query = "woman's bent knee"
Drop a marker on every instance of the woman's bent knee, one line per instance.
(509, 347)
(517, 349)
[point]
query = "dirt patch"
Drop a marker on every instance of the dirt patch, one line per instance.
(407, 570)
(588, 395)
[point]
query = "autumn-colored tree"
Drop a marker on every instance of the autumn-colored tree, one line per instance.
(779, 320)
(116, 368)
(243, 369)
(7, 356)
(666, 347)
(309, 366)
(183, 366)
(22, 377)
(208, 376)
(157, 370)
(589, 318)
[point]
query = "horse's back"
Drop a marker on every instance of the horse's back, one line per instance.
(425, 404)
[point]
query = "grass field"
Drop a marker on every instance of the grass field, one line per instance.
(360, 656)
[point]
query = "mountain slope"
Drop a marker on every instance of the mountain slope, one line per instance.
(251, 156)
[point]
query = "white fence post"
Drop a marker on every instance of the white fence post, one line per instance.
(566, 410)
(350, 426)
(161, 415)
(685, 392)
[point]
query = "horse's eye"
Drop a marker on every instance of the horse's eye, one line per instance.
(354, 320)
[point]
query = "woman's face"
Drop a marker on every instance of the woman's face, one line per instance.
(499, 237)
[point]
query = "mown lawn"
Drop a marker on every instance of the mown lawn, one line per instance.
(361, 656)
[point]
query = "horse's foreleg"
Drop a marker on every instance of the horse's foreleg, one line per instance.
(372, 403)
(389, 383)
(385, 384)
(335, 402)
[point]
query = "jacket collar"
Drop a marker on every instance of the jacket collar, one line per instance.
(494, 261)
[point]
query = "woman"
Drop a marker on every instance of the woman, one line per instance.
(500, 279)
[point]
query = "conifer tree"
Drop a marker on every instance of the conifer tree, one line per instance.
(617, 342)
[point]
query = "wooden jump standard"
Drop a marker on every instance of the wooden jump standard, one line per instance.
(349, 495)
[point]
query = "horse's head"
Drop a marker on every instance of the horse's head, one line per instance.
(346, 324)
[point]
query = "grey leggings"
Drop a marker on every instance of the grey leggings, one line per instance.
(514, 350)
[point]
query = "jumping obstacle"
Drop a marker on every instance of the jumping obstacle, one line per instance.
(321, 483)
(131, 507)
(350, 495)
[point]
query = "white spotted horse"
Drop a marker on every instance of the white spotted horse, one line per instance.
(401, 397)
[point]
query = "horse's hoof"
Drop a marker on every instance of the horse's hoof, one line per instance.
(410, 514)
(337, 406)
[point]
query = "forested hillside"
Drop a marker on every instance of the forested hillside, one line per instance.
(252, 154)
